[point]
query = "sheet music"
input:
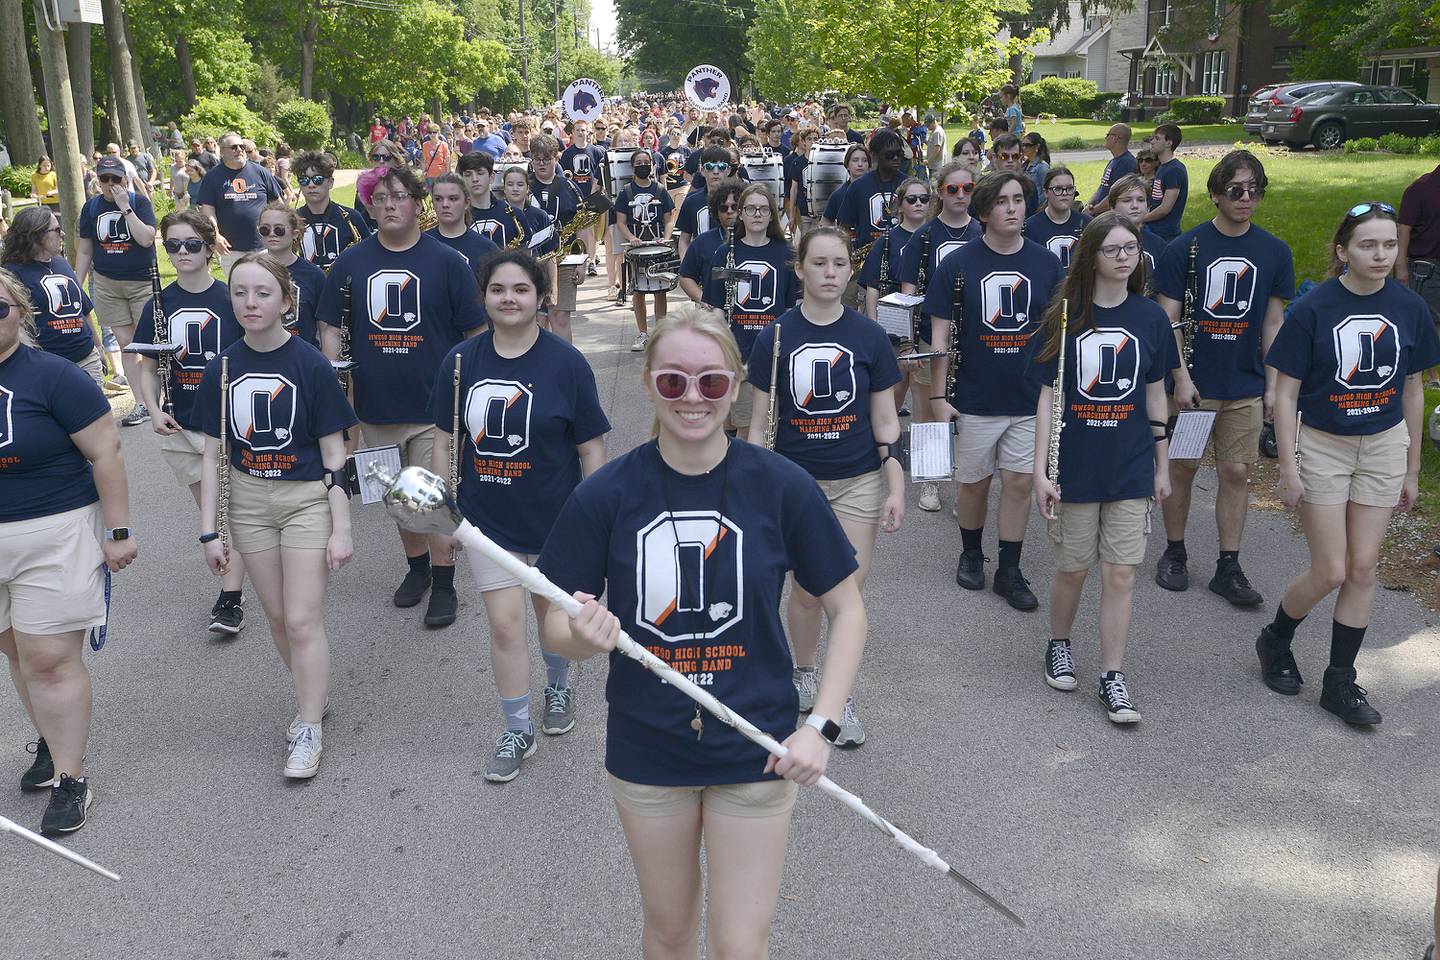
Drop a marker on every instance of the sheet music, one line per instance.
(893, 312)
(932, 454)
(573, 260)
(1192, 433)
(388, 457)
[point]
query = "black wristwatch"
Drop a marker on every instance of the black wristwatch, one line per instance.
(209, 537)
(827, 728)
(117, 533)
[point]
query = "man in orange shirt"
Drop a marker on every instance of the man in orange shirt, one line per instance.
(434, 156)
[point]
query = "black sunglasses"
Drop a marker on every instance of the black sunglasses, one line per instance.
(265, 230)
(189, 245)
(4, 309)
(1360, 209)
(311, 181)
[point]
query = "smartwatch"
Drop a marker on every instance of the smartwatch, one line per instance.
(828, 728)
(117, 533)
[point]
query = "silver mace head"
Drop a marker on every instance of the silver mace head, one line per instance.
(418, 500)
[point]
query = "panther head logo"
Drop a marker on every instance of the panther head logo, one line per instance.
(707, 87)
(584, 101)
(719, 611)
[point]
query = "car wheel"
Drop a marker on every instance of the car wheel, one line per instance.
(1328, 135)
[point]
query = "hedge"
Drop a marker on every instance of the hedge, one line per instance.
(215, 116)
(1062, 96)
(1197, 109)
(1396, 143)
(17, 180)
(303, 124)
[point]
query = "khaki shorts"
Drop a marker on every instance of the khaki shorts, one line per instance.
(1368, 470)
(766, 798)
(50, 577)
(859, 498)
(1114, 532)
(184, 454)
(984, 443)
(489, 575)
(118, 303)
(742, 411)
(415, 440)
(921, 374)
(265, 514)
(1236, 437)
(94, 367)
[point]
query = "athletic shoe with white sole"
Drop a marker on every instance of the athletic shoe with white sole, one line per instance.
(851, 733)
(559, 711)
(511, 749)
(807, 684)
(226, 617)
(304, 759)
(930, 497)
(1059, 667)
(297, 724)
(41, 774)
(1116, 698)
(639, 345)
(70, 801)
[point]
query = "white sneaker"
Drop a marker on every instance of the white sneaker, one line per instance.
(639, 344)
(297, 723)
(851, 733)
(930, 497)
(304, 760)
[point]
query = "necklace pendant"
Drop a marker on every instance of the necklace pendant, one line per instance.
(698, 725)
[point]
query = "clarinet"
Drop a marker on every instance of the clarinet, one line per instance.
(222, 519)
(344, 354)
(731, 287)
(885, 262)
(957, 328)
(455, 437)
(1057, 400)
(772, 414)
(1187, 309)
(922, 276)
(162, 336)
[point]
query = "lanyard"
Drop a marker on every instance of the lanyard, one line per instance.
(97, 634)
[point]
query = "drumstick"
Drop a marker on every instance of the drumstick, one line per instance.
(420, 502)
(10, 826)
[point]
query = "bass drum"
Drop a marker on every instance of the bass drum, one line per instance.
(621, 170)
(652, 268)
(769, 170)
(825, 173)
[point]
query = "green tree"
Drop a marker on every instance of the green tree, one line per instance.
(1339, 35)
(665, 38)
(785, 50)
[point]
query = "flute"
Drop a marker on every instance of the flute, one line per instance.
(455, 437)
(773, 412)
(1057, 401)
(222, 520)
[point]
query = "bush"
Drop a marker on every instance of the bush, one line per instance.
(1071, 143)
(349, 160)
(1197, 109)
(1430, 147)
(304, 124)
(1399, 143)
(1105, 106)
(215, 116)
(1362, 145)
(1063, 96)
(1167, 116)
(17, 180)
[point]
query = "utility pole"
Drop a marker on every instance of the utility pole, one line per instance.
(60, 108)
(557, 50)
(524, 58)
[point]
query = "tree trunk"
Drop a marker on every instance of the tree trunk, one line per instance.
(147, 135)
(64, 137)
(308, 34)
(77, 49)
(17, 87)
(122, 74)
(113, 128)
(186, 68)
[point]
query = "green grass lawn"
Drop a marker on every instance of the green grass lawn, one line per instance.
(1093, 132)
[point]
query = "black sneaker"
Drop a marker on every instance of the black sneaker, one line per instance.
(226, 617)
(1012, 585)
(1345, 698)
(137, 415)
(412, 588)
(42, 772)
(970, 574)
(591, 270)
(69, 800)
(1277, 664)
(1059, 668)
(441, 611)
(1116, 698)
(1229, 582)
(1268, 448)
(1170, 571)
(1429, 953)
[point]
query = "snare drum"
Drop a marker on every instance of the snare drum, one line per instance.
(825, 173)
(768, 170)
(621, 170)
(642, 259)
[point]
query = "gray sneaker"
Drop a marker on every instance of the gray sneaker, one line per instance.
(137, 415)
(559, 711)
(851, 733)
(510, 749)
(806, 684)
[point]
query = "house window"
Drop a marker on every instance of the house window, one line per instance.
(1214, 66)
(1165, 14)
(1165, 80)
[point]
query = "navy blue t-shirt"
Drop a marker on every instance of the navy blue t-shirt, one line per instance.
(1352, 354)
(866, 207)
(828, 374)
(1005, 297)
(1115, 168)
(584, 164)
(281, 403)
(694, 216)
(694, 568)
(1171, 174)
(43, 400)
(1235, 279)
(699, 259)
(307, 283)
(794, 167)
(1107, 452)
(116, 255)
(407, 310)
(326, 235)
(1058, 238)
(836, 203)
(203, 324)
(238, 196)
(772, 289)
(644, 209)
(522, 419)
(939, 240)
(474, 247)
(559, 198)
(61, 307)
(675, 179)
(497, 222)
(889, 252)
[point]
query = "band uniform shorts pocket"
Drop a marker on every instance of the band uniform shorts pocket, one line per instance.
(987, 442)
(489, 575)
(415, 440)
(50, 577)
(1114, 532)
(184, 454)
(118, 303)
(1235, 437)
(94, 367)
(1368, 470)
(265, 514)
(859, 498)
(764, 798)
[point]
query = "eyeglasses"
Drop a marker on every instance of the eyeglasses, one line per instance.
(4, 309)
(189, 245)
(1112, 251)
(753, 211)
(1010, 157)
(1061, 191)
(266, 230)
(675, 384)
(1239, 191)
(951, 189)
(312, 181)
(110, 180)
(236, 146)
(379, 158)
(919, 199)
(1146, 160)
(1360, 209)
(716, 167)
(382, 199)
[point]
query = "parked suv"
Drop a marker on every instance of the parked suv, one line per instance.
(1282, 94)
(1329, 118)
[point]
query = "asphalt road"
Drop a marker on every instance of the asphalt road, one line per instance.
(1231, 823)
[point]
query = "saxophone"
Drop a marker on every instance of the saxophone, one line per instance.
(584, 219)
(773, 412)
(1057, 400)
(519, 242)
(345, 320)
(1187, 309)
(162, 336)
(858, 255)
(222, 516)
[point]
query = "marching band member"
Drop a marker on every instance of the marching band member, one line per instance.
(452, 221)
(1242, 278)
(1058, 225)
(716, 164)
(199, 318)
(383, 153)
(1128, 197)
(1349, 358)
(584, 164)
(285, 414)
(490, 216)
(1111, 463)
(676, 155)
(839, 119)
(644, 215)
(559, 198)
(279, 229)
(330, 227)
(677, 780)
(531, 426)
(857, 164)
(65, 522)
(411, 299)
(879, 275)
(626, 141)
(1007, 282)
(865, 209)
(797, 201)
(835, 417)
(541, 235)
(60, 308)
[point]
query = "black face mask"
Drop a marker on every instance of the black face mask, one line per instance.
(642, 172)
